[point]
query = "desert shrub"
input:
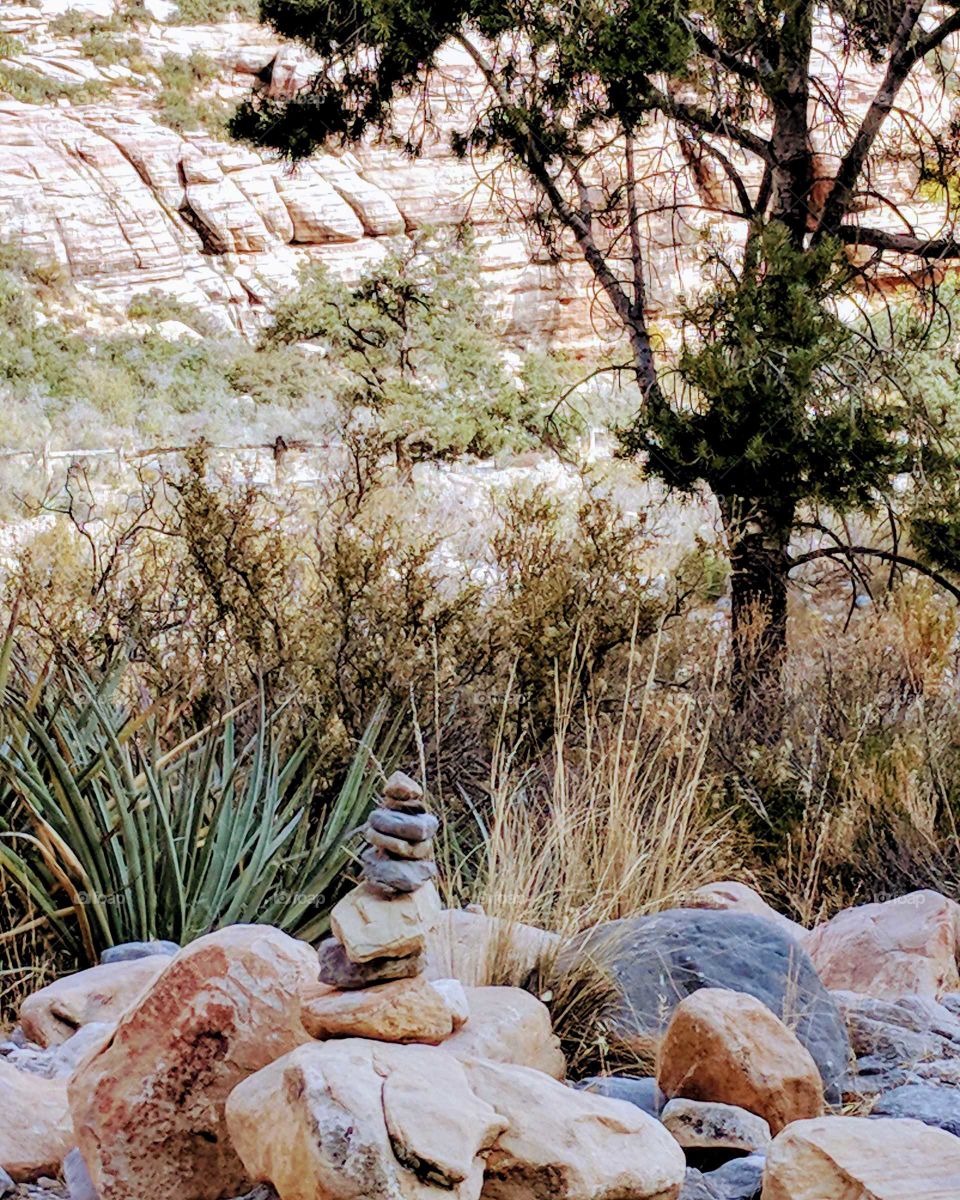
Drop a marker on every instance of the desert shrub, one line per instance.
(209, 12)
(364, 591)
(31, 87)
(181, 102)
(114, 834)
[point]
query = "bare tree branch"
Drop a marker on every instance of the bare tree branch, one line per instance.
(707, 122)
(901, 243)
(889, 556)
(903, 58)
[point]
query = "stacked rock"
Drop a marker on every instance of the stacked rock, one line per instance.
(399, 854)
(380, 928)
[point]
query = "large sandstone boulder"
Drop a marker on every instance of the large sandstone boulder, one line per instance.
(856, 1158)
(148, 1107)
(731, 896)
(729, 1047)
(35, 1128)
(908, 945)
(572, 1145)
(655, 961)
(478, 950)
(363, 1120)
(103, 993)
(508, 1025)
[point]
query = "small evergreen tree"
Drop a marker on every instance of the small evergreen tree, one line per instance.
(784, 405)
(414, 355)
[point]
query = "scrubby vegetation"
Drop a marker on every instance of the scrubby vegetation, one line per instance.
(410, 356)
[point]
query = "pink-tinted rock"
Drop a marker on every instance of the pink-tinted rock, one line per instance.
(737, 897)
(35, 1128)
(904, 946)
(148, 1107)
(102, 994)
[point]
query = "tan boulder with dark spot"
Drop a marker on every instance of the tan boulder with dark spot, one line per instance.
(907, 946)
(729, 1047)
(859, 1158)
(564, 1144)
(35, 1128)
(148, 1107)
(53, 1014)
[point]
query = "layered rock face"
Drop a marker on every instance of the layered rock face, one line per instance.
(127, 205)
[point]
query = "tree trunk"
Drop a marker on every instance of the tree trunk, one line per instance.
(759, 561)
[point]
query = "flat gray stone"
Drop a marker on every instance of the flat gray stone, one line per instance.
(412, 827)
(641, 1091)
(7, 1186)
(339, 971)
(128, 951)
(739, 1179)
(392, 876)
(930, 1103)
(655, 961)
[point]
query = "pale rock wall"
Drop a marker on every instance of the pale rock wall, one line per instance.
(126, 204)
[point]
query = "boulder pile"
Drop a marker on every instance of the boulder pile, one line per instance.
(242, 1067)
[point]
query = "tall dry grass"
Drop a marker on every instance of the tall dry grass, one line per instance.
(617, 819)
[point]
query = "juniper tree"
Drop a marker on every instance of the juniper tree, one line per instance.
(781, 403)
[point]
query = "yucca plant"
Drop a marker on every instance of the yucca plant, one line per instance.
(113, 837)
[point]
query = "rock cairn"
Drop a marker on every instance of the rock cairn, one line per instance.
(380, 928)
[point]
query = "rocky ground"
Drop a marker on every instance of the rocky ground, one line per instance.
(790, 1064)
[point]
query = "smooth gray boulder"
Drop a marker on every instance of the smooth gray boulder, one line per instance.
(739, 1179)
(697, 1186)
(641, 1091)
(128, 951)
(927, 1102)
(655, 961)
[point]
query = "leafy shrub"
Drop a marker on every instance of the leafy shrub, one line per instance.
(209, 12)
(181, 101)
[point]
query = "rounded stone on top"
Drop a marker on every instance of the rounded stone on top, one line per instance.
(402, 792)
